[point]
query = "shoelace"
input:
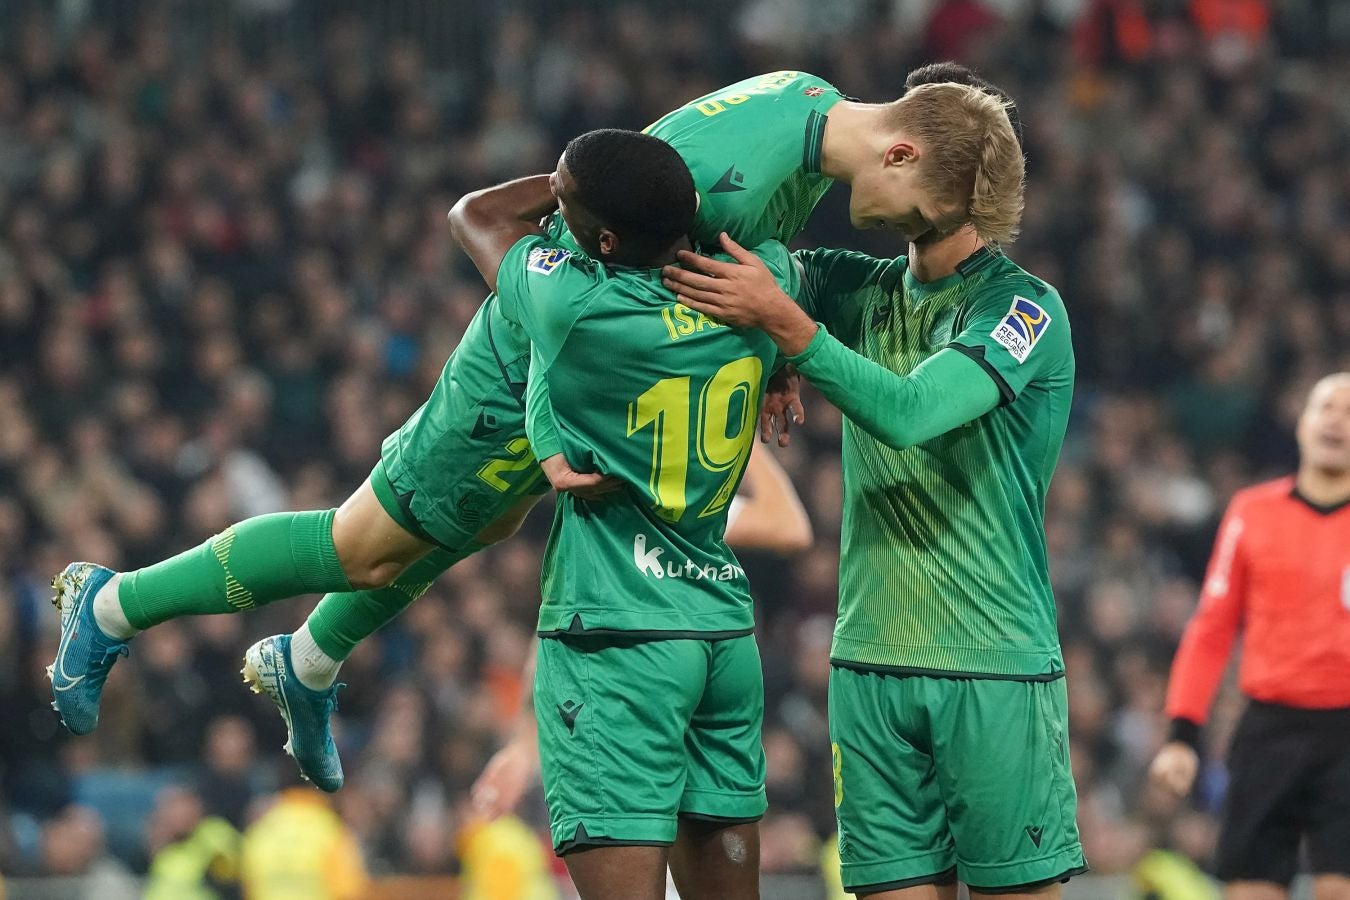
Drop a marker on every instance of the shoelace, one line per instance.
(110, 654)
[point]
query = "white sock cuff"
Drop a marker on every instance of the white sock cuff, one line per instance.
(108, 613)
(315, 669)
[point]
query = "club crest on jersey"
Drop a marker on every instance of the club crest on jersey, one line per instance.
(1021, 328)
(543, 260)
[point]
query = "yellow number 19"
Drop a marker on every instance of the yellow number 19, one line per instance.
(722, 443)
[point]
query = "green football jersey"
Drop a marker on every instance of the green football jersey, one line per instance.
(754, 150)
(667, 400)
(943, 561)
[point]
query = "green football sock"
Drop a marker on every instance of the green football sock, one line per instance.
(249, 564)
(343, 620)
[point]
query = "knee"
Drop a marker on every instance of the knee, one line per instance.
(507, 524)
(371, 575)
(498, 531)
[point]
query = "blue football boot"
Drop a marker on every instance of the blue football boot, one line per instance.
(85, 655)
(267, 669)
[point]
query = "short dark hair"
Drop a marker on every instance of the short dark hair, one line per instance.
(635, 184)
(943, 72)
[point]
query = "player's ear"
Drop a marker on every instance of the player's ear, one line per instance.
(609, 242)
(899, 153)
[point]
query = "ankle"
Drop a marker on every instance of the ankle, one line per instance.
(315, 668)
(109, 616)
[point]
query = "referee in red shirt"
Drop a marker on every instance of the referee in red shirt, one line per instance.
(1281, 573)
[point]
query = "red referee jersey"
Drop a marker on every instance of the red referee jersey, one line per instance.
(1280, 572)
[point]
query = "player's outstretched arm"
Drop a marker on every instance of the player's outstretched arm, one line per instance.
(743, 294)
(946, 391)
(490, 222)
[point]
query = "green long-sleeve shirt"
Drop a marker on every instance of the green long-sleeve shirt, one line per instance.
(957, 394)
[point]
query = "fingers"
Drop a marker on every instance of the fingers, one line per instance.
(1173, 774)
(1174, 782)
(739, 253)
(713, 267)
(765, 426)
(593, 486)
(687, 279)
(701, 300)
(609, 484)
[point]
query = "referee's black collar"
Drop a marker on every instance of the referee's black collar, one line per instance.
(1320, 508)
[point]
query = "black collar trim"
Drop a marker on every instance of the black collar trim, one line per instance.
(975, 261)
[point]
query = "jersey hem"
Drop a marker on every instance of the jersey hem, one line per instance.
(907, 671)
(645, 634)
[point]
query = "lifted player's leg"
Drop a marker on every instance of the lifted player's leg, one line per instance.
(298, 670)
(250, 564)
(342, 620)
(296, 673)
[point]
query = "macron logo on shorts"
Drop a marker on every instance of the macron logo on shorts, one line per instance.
(1021, 328)
(543, 260)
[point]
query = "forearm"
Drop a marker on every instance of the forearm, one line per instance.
(489, 222)
(525, 728)
(1198, 671)
(540, 425)
(790, 327)
(946, 391)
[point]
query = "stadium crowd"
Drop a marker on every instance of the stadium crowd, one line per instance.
(225, 276)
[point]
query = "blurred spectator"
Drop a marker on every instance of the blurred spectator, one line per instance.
(505, 860)
(193, 856)
(300, 848)
(73, 845)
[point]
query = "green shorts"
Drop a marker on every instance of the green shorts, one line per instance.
(942, 776)
(463, 459)
(635, 733)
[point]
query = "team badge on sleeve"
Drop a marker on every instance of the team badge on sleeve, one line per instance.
(543, 260)
(1021, 328)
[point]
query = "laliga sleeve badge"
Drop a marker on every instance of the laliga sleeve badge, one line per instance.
(1021, 328)
(543, 260)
